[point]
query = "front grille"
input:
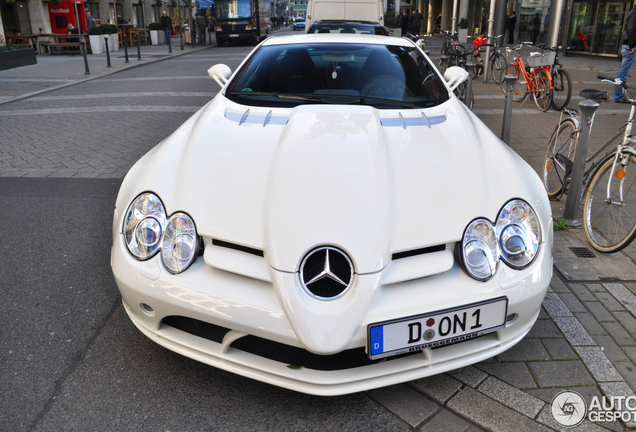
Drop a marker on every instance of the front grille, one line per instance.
(198, 328)
(297, 357)
(287, 354)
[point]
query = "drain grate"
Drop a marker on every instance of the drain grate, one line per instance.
(582, 252)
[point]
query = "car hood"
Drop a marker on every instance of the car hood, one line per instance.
(371, 182)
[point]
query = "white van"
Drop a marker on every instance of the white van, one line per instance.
(353, 10)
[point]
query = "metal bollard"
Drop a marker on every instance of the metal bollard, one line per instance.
(470, 67)
(588, 108)
(169, 43)
(87, 70)
(107, 52)
(139, 46)
(507, 117)
(125, 48)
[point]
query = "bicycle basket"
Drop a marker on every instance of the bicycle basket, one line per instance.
(533, 57)
(540, 60)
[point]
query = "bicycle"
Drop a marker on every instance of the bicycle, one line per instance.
(496, 60)
(561, 82)
(452, 52)
(609, 196)
(532, 78)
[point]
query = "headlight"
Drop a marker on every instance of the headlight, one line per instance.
(479, 249)
(519, 234)
(514, 238)
(180, 243)
(143, 226)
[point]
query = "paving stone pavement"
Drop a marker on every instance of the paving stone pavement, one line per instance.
(584, 338)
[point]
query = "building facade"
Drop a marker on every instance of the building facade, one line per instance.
(299, 8)
(588, 26)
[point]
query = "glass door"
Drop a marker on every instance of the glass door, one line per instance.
(597, 26)
(582, 26)
(609, 31)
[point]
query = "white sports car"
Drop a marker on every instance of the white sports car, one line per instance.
(334, 220)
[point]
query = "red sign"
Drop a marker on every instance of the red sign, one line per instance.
(64, 14)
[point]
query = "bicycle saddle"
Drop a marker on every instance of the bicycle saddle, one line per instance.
(595, 95)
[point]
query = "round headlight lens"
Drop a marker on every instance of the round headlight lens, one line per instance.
(479, 249)
(180, 243)
(143, 226)
(519, 234)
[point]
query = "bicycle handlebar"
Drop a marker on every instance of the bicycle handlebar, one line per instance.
(612, 80)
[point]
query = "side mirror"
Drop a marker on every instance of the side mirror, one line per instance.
(220, 73)
(454, 76)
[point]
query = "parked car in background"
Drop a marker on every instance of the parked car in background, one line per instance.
(344, 26)
(299, 24)
(333, 221)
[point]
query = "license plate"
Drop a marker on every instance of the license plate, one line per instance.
(232, 35)
(435, 329)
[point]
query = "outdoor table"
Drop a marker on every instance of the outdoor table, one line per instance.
(128, 30)
(26, 40)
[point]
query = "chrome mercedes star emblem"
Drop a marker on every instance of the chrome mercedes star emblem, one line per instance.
(326, 273)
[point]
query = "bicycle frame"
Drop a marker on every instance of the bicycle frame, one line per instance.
(624, 130)
(531, 80)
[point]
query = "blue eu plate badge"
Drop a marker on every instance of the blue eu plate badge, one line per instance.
(377, 340)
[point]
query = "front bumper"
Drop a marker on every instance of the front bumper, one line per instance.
(246, 308)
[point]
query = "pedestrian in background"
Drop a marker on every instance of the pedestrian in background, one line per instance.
(201, 26)
(512, 22)
(90, 21)
(438, 24)
(404, 22)
(629, 42)
(166, 23)
(416, 22)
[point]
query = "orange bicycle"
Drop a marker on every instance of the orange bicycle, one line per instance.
(533, 76)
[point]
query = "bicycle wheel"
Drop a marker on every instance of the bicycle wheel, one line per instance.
(562, 91)
(460, 92)
(557, 164)
(543, 93)
(520, 88)
(610, 223)
(497, 64)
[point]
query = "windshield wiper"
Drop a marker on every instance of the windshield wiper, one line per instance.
(331, 99)
(304, 97)
(374, 100)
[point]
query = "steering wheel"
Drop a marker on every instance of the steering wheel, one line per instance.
(386, 87)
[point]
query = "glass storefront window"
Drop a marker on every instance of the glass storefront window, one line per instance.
(596, 26)
(532, 21)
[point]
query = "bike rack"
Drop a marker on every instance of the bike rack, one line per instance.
(507, 117)
(572, 204)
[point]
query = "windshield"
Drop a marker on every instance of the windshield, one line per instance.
(233, 9)
(385, 76)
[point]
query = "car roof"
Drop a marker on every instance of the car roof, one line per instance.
(341, 38)
(353, 22)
